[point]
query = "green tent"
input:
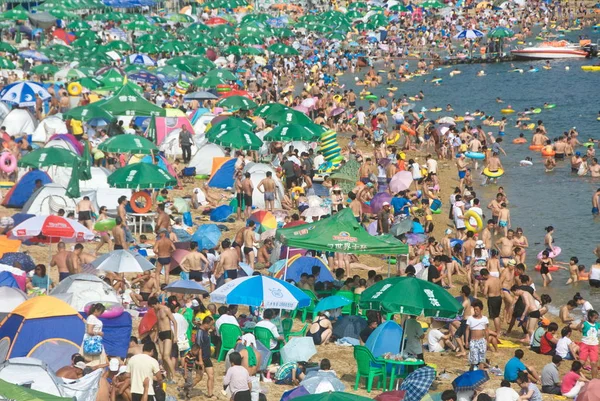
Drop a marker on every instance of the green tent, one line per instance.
(410, 296)
(15, 392)
(340, 233)
(128, 102)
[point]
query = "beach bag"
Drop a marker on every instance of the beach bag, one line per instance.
(92, 345)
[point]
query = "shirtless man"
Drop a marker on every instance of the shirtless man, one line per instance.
(247, 189)
(268, 189)
(365, 171)
(264, 254)
(493, 163)
(539, 139)
(167, 331)
(495, 206)
(486, 235)
(492, 289)
(84, 210)
(163, 248)
(459, 327)
(163, 221)
(596, 208)
(122, 213)
(149, 288)
(507, 280)
(249, 244)
(560, 148)
(239, 192)
(594, 168)
(73, 261)
(529, 305)
(355, 206)
(118, 233)
(192, 263)
(461, 165)
(60, 260)
(228, 264)
(505, 247)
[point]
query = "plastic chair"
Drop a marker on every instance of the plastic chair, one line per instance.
(299, 333)
(229, 335)
(311, 307)
(348, 309)
(369, 367)
(265, 336)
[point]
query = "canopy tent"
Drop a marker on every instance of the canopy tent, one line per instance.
(85, 288)
(35, 373)
(127, 101)
(36, 321)
(341, 233)
(298, 264)
(11, 298)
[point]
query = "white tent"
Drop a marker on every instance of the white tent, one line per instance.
(19, 121)
(48, 200)
(62, 175)
(49, 126)
(33, 373)
(60, 144)
(203, 158)
(11, 298)
(202, 122)
(170, 144)
(258, 171)
(85, 288)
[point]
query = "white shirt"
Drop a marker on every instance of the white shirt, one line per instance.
(416, 171)
(433, 339)
(595, 272)
(562, 347)
(585, 308)
(267, 324)
(506, 394)
(182, 327)
(360, 117)
(141, 366)
(432, 166)
(226, 318)
(317, 161)
(478, 323)
(457, 211)
(91, 319)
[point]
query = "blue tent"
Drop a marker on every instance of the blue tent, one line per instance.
(7, 280)
(304, 264)
(22, 190)
(223, 177)
(117, 332)
(221, 213)
(385, 338)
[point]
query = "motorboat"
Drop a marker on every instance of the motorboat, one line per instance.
(553, 50)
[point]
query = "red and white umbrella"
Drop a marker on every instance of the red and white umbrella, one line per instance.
(51, 229)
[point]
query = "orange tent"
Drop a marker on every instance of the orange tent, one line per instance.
(8, 245)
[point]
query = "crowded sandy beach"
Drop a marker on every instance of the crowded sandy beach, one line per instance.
(334, 201)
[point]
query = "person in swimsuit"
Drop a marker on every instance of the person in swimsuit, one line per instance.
(545, 264)
(84, 210)
(320, 329)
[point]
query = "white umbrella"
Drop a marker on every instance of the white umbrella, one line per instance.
(123, 261)
(51, 229)
(446, 120)
(298, 349)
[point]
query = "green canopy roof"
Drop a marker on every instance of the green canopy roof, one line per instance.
(341, 233)
(127, 101)
(15, 392)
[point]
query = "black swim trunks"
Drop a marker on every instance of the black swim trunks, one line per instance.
(559, 156)
(164, 261)
(165, 335)
(85, 215)
(196, 275)
(248, 200)
(231, 274)
(535, 314)
(462, 329)
(145, 296)
(247, 250)
(494, 306)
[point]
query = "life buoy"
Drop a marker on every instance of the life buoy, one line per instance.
(536, 148)
(222, 88)
(549, 106)
(8, 162)
(553, 254)
(6, 184)
(519, 141)
(472, 214)
(552, 268)
(182, 87)
(536, 111)
(475, 155)
(140, 195)
(111, 309)
(297, 191)
(371, 97)
(526, 163)
(105, 225)
(530, 126)
(406, 128)
(392, 140)
(74, 89)
(548, 151)
(332, 151)
(337, 98)
(587, 144)
(436, 109)
(507, 111)
(493, 174)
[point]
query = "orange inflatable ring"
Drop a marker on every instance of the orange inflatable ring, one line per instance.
(548, 151)
(8, 162)
(408, 129)
(519, 140)
(552, 268)
(536, 148)
(141, 195)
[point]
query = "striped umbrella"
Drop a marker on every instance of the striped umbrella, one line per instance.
(469, 34)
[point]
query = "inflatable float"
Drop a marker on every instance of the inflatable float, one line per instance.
(493, 174)
(113, 309)
(555, 252)
(519, 141)
(475, 155)
(536, 148)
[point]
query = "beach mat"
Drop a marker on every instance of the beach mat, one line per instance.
(509, 344)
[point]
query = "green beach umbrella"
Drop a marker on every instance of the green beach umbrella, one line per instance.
(222, 74)
(73, 190)
(68, 74)
(117, 45)
(399, 8)
(237, 102)
(85, 171)
(202, 39)
(127, 101)
(221, 31)
(208, 82)
(270, 108)
(45, 157)
(128, 143)
(141, 176)
(237, 138)
(143, 26)
(251, 40)
(174, 46)
(295, 132)
(90, 83)
(231, 123)
(151, 132)
(62, 13)
(335, 36)
(180, 18)
(79, 25)
(235, 50)
(501, 32)
(410, 296)
(15, 14)
(8, 48)
(283, 50)
(432, 4)
(6, 64)
(149, 47)
(44, 69)
(253, 51)
(111, 79)
(83, 43)
(283, 33)
(89, 112)
(288, 117)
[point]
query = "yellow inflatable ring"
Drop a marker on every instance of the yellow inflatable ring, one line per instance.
(471, 214)
(74, 89)
(507, 111)
(337, 98)
(391, 141)
(297, 191)
(493, 174)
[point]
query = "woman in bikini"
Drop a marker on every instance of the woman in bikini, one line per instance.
(320, 330)
(521, 241)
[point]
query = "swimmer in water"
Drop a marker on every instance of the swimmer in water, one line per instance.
(550, 163)
(573, 269)
(449, 107)
(498, 100)
(527, 159)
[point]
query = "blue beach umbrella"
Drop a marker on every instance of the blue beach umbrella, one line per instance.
(417, 383)
(142, 59)
(332, 302)
(145, 77)
(469, 381)
(260, 291)
(34, 55)
(186, 287)
(469, 34)
(207, 236)
(10, 258)
(24, 94)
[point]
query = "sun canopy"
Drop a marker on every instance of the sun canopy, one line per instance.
(341, 233)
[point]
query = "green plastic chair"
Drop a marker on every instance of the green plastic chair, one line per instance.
(265, 336)
(369, 367)
(229, 335)
(311, 307)
(348, 309)
(299, 333)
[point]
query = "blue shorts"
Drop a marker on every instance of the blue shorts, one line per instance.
(462, 174)
(503, 223)
(184, 275)
(501, 133)
(595, 210)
